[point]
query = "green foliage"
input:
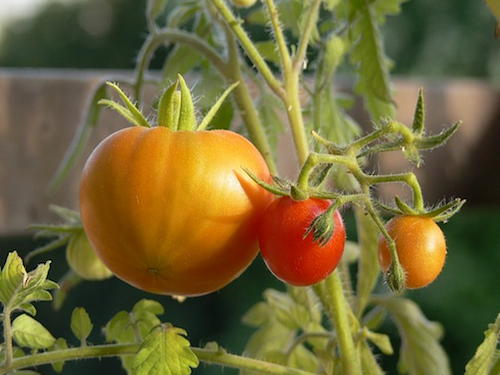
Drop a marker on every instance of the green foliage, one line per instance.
(164, 351)
(486, 360)
(421, 352)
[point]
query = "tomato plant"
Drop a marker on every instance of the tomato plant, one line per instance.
(174, 212)
(421, 249)
(288, 247)
(177, 209)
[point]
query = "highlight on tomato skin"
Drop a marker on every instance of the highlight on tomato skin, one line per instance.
(173, 212)
(421, 248)
(291, 257)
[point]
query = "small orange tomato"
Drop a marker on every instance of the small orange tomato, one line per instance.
(421, 249)
(174, 212)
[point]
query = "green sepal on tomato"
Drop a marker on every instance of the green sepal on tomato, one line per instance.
(289, 247)
(170, 210)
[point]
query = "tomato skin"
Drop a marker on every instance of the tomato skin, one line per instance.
(292, 258)
(421, 248)
(174, 212)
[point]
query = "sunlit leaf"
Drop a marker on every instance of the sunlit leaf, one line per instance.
(81, 325)
(29, 333)
(165, 351)
(18, 288)
(421, 353)
(486, 357)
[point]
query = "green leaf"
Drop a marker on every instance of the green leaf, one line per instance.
(257, 315)
(268, 51)
(81, 325)
(165, 351)
(18, 288)
(119, 329)
(486, 356)
(421, 352)
(380, 340)
(372, 65)
(287, 312)
(87, 124)
(29, 333)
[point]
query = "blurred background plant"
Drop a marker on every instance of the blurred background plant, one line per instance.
(436, 40)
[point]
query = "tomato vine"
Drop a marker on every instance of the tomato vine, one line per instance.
(331, 156)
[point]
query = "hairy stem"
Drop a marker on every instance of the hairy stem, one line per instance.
(249, 47)
(331, 295)
(219, 357)
(7, 332)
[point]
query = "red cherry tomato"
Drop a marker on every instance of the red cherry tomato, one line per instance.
(291, 257)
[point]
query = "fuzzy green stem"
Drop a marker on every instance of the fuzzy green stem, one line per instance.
(245, 103)
(409, 179)
(249, 47)
(177, 36)
(331, 295)
(240, 362)
(7, 332)
(44, 358)
(286, 61)
(298, 61)
(219, 357)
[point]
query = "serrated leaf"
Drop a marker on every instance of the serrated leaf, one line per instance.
(486, 356)
(18, 288)
(149, 306)
(286, 311)
(421, 353)
(368, 56)
(29, 333)
(119, 329)
(165, 351)
(81, 325)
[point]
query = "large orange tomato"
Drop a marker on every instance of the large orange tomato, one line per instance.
(174, 212)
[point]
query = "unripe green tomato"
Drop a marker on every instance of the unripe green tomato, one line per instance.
(82, 259)
(243, 3)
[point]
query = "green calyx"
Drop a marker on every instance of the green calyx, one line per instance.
(176, 109)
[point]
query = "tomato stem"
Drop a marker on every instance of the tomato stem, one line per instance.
(331, 295)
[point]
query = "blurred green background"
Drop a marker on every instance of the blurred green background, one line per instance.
(449, 38)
